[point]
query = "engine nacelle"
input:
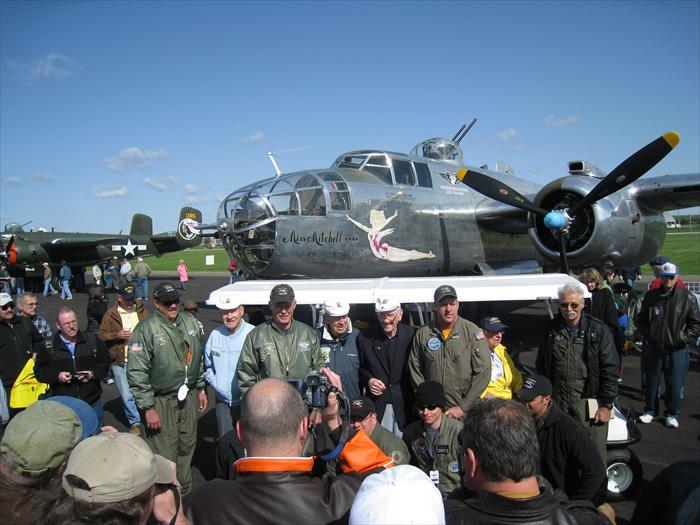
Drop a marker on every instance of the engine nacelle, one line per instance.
(614, 229)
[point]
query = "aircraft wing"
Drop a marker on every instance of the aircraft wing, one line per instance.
(501, 218)
(82, 241)
(669, 192)
(406, 289)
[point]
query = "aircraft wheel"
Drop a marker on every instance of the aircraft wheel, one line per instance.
(624, 474)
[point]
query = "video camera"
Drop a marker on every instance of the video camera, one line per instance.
(314, 389)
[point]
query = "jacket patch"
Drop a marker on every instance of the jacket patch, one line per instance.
(325, 354)
(442, 449)
(479, 335)
(304, 346)
(267, 350)
(453, 467)
(160, 339)
(434, 343)
(136, 347)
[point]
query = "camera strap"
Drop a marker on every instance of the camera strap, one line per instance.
(345, 432)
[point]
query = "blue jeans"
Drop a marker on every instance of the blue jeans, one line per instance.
(107, 278)
(47, 286)
(99, 409)
(142, 287)
(19, 285)
(65, 290)
(226, 417)
(130, 410)
(675, 368)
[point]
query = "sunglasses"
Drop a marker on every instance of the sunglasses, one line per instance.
(429, 407)
(573, 306)
(8, 306)
(168, 304)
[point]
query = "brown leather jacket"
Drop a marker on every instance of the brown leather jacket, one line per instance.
(111, 326)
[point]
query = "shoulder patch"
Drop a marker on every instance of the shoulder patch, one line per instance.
(453, 467)
(479, 335)
(136, 347)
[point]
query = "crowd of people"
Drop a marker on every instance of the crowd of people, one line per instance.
(434, 424)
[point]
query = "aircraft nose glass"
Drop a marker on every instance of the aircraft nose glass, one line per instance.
(254, 231)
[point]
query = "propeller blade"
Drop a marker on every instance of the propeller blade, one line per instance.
(563, 263)
(497, 191)
(630, 169)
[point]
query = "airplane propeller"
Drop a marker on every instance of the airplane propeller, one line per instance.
(560, 221)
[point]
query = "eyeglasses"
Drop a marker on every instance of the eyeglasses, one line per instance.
(31, 304)
(429, 407)
(573, 306)
(168, 304)
(8, 306)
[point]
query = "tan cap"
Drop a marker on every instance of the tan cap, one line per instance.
(116, 467)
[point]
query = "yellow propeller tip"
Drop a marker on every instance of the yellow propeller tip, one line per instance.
(461, 174)
(672, 138)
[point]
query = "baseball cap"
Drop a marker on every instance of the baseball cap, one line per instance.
(40, 437)
(659, 260)
(5, 298)
(86, 414)
(336, 307)
(444, 291)
(667, 270)
(227, 303)
(282, 293)
(386, 304)
(492, 324)
(534, 386)
(430, 393)
(165, 292)
(115, 466)
(128, 292)
(402, 494)
(362, 407)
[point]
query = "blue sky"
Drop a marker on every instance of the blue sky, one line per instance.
(113, 108)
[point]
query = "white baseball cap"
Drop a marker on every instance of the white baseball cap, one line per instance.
(402, 494)
(5, 298)
(227, 303)
(386, 304)
(336, 307)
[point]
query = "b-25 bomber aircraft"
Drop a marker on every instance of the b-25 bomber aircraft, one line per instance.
(79, 249)
(378, 213)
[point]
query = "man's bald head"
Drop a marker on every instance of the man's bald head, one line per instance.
(272, 418)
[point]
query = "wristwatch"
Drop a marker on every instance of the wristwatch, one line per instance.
(609, 406)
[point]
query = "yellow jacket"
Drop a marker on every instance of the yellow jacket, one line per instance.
(510, 381)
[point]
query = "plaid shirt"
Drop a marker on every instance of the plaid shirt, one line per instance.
(42, 326)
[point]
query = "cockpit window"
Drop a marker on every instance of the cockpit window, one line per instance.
(311, 197)
(403, 172)
(378, 166)
(337, 190)
(423, 174)
(351, 161)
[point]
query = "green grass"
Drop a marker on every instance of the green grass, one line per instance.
(682, 247)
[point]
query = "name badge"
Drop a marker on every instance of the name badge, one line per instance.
(435, 476)
(442, 449)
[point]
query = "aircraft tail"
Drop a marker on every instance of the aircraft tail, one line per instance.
(188, 233)
(141, 225)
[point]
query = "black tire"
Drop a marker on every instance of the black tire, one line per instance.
(624, 474)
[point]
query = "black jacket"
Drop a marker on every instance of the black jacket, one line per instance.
(19, 339)
(90, 354)
(601, 305)
(569, 459)
(669, 321)
(601, 357)
(96, 310)
(373, 347)
(550, 507)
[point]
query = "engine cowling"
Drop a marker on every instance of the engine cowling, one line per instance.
(614, 229)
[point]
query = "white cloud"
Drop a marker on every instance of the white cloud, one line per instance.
(114, 193)
(134, 158)
(507, 134)
(43, 177)
(557, 122)
(161, 184)
(196, 199)
(12, 180)
(258, 135)
(51, 65)
(191, 188)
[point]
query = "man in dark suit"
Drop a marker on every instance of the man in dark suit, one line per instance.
(384, 374)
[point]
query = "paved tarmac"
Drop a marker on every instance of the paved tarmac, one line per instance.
(658, 448)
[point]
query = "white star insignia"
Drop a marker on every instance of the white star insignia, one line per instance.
(129, 248)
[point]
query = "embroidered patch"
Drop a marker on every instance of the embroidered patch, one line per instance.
(396, 456)
(304, 346)
(479, 335)
(136, 347)
(160, 339)
(192, 333)
(267, 350)
(434, 343)
(442, 449)
(326, 354)
(453, 467)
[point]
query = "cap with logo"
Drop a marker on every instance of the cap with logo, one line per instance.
(282, 293)
(127, 291)
(534, 386)
(165, 292)
(492, 324)
(444, 291)
(362, 407)
(115, 466)
(668, 270)
(386, 304)
(227, 303)
(40, 437)
(336, 307)
(5, 298)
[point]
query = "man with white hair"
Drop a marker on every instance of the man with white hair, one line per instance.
(578, 356)
(221, 355)
(384, 374)
(339, 345)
